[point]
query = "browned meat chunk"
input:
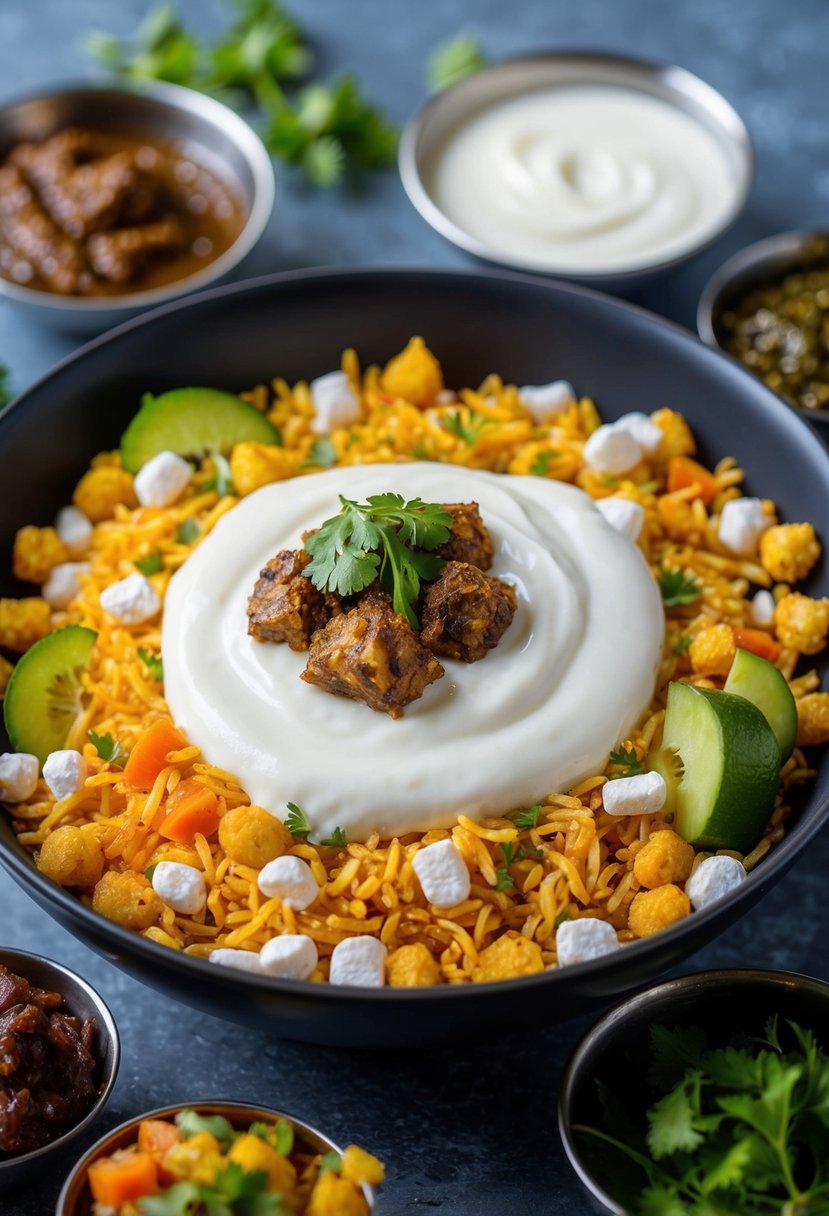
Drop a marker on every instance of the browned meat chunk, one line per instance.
(469, 540)
(35, 239)
(465, 612)
(285, 605)
(119, 255)
(372, 654)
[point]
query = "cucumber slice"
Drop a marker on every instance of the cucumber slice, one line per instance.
(760, 682)
(731, 767)
(192, 422)
(43, 697)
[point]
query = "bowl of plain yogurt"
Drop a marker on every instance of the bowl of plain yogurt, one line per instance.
(598, 168)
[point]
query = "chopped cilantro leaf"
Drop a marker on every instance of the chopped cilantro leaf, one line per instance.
(153, 664)
(454, 60)
(150, 870)
(528, 818)
(627, 760)
(295, 821)
(647, 487)
(191, 1123)
(530, 851)
(188, 532)
(330, 1163)
(561, 918)
(466, 425)
(677, 587)
(542, 462)
(108, 748)
(222, 479)
(682, 643)
(503, 879)
(153, 563)
(322, 454)
(337, 839)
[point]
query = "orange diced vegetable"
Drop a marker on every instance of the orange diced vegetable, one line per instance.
(149, 755)
(191, 808)
(684, 472)
(758, 642)
(157, 1137)
(122, 1178)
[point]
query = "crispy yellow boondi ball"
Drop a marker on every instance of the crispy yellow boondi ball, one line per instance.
(652, 911)
(36, 553)
(24, 622)
(802, 623)
(813, 719)
(789, 551)
(252, 837)
(335, 1196)
(413, 966)
(258, 464)
(414, 374)
(101, 490)
(128, 899)
(712, 651)
(508, 957)
(677, 439)
(665, 858)
(71, 857)
(255, 1156)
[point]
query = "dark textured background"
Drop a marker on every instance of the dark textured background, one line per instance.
(470, 1130)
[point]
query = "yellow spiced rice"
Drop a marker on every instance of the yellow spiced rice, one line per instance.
(577, 861)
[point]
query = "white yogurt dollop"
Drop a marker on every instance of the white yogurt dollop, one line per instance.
(568, 680)
(584, 178)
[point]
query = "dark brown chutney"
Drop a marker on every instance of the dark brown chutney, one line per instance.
(46, 1065)
(100, 213)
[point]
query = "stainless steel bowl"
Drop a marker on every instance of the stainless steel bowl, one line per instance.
(75, 1198)
(763, 262)
(426, 132)
(220, 140)
(617, 1049)
(83, 1002)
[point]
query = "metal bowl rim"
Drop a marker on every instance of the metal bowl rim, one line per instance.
(208, 110)
(104, 1012)
(612, 1022)
(680, 81)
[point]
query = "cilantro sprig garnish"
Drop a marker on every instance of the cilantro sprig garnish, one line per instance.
(677, 587)
(295, 821)
(503, 878)
(337, 839)
(453, 60)
(153, 663)
(627, 761)
(234, 1192)
(735, 1129)
(528, 818)
(108, 748)
(385, 538)
(466, 424)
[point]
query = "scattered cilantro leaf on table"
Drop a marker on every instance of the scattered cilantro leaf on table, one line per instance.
(453, 60)
(385, 538)
(677, 587)
(108, 748)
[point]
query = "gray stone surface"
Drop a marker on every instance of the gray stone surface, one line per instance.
(470, 1130)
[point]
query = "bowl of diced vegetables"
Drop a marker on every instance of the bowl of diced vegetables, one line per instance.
(220, 1159)
(709, 1093)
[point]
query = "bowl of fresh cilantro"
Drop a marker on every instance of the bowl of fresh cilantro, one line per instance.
(705, 1096)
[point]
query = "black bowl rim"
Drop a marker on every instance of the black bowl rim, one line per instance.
(681, 81)
(8, 955)
(751, 264)
(20, 864)
(611, 1024)
(176, 98)
(161, 1112)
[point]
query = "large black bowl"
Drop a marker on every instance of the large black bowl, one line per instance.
(295, 325)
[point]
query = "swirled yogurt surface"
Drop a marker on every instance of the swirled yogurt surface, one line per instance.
(584, 178)
(568, 680)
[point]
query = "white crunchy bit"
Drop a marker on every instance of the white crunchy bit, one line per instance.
(359, 962)
(442, 873)
(162, 480)
(544, 401)
(65, 773)
(762, 608)
(335, 402)
(578, 941)
(131, 600)
(712, 879)
(643, 794)
(239, 960)
(293, 956)
(646, 433)
(18, 776)
(291, 880)
(64, 583)
(611, 450)
(742, 522)
(624, 515)
(75, 530)
(182, 887)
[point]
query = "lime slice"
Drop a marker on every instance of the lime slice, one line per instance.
(192, 422)
(730, 767)
(760, 682)
(43, 698)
